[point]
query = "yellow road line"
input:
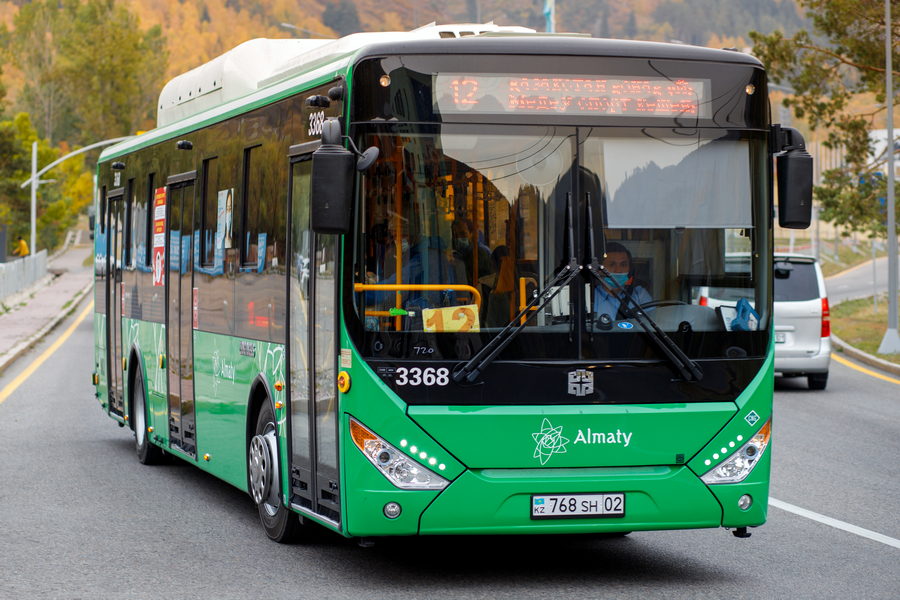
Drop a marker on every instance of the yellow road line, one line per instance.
(21, 377)
(840, 359)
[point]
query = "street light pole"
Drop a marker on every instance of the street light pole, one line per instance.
(35, 179)
(34, 184)
(890, 344)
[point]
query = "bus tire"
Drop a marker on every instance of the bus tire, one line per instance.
(147, 452)
(279, 522)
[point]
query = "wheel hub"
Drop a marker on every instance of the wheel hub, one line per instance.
(264, 480)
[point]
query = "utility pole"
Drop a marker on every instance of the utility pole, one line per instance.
(890, 344)
(34, 185)
(35, 179)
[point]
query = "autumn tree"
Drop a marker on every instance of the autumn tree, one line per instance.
(90, 71)
(830, 68)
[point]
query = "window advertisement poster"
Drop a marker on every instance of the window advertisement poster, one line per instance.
(159, 236)
(224, 212)
(261, 240)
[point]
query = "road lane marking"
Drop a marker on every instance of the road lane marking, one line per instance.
(872, 535)
(21, 377)
(847, 363)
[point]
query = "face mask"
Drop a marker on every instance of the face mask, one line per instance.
(619, 278)
(404, 245)
(461, 244)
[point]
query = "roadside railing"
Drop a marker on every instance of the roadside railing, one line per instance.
(20, 273)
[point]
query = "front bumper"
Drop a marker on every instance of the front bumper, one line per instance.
(498, 501)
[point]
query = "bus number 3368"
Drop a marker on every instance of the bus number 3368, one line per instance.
(426, 376)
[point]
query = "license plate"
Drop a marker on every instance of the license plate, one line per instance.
(574, 506)
(779, 338)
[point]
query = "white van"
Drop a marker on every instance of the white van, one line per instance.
(802, 325)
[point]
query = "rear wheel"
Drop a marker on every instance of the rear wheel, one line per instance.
(280, 523)
(147, 453)
(817, 381)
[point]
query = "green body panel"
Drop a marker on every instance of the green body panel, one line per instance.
(757, 398)
(757, 486)
(223, 378)
(101, 390)
(149, 340)
(499, 500)
(586, 436)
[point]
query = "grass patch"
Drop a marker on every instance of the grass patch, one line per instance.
(847, 258)
(89, 261)
(859, 325)
(69, 303)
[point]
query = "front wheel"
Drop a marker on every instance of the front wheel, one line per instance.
(147, 453)
(281, 524)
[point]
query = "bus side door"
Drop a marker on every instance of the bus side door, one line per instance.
(179, 322)
(312, 350)
(115, 245)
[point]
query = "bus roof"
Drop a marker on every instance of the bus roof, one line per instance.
(258, 64)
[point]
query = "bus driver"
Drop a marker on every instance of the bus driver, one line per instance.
(607, 299)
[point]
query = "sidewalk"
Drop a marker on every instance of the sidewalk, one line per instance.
(36, 311)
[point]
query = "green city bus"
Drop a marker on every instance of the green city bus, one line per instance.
(493, 320)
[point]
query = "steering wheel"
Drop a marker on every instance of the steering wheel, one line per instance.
(656, 303)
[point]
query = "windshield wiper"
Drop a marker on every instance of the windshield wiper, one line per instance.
(470, 371)
(689, 369)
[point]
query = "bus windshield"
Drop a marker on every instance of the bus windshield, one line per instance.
(462, 225)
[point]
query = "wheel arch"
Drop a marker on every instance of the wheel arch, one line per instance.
(260, 392)
(135, 365)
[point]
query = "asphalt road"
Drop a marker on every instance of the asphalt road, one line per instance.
(859, 282)
(81, 518)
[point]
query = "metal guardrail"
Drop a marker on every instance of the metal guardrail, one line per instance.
(20, 273)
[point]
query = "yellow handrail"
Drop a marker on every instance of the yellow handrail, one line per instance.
(418, 287)
(523, 281)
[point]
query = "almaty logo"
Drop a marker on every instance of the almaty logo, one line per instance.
(549, 441)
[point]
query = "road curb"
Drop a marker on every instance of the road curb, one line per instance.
(864, 357)
(29, 343)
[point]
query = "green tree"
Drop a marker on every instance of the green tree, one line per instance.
(91, 73)
(33, 47)
(830, 69)
(16, 137)
(113, 69)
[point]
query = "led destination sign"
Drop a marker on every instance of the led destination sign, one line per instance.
(457, 93)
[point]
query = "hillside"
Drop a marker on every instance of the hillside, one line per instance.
(198, 30)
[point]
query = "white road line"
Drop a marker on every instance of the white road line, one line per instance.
(872, 535)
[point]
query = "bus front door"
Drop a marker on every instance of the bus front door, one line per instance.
(312, 350)
(115, 229)
(179, 318)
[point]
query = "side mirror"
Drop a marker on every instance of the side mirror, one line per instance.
(332, 189)
(795, 176)
(333, 178)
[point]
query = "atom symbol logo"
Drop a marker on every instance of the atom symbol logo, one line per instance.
(549, 441)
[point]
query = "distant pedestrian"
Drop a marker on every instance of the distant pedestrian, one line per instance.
(21, 248)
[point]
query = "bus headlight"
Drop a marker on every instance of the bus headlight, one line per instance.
(736, 467)
(399, 469)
